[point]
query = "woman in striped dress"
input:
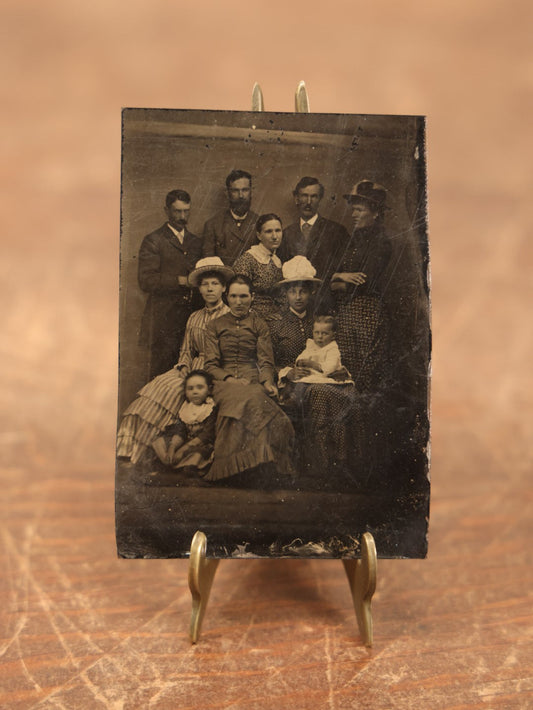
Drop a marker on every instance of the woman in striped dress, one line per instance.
(158, 402)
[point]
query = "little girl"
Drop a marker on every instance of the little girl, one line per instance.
(322, 355)
(189, 441)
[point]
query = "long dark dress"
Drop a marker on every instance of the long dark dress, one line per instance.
(364, 341)
(251, 428)
(361, 317)
(325, 416)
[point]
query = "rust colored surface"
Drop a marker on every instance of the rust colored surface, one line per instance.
(82, 629)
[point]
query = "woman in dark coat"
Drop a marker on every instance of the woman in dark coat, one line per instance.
(358, 287)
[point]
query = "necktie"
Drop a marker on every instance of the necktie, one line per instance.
(306, 230)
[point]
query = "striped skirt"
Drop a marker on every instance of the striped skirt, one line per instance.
(156, 406)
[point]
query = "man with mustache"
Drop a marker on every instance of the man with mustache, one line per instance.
(320, 240)
(230, 233)
(166, 257)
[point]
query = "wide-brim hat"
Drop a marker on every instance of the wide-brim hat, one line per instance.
(209, 263)
(298, 269)
(369, 191)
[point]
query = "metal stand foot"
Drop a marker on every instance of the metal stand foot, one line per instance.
(201, 574)
(362, 579)
(361, 575)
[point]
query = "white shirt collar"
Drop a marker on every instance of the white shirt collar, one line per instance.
(309, 221)
(237, 217)
(263, 256)
(179, 235)
(301, 316)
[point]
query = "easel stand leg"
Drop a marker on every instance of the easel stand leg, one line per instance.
(201, 575)
(362, 579)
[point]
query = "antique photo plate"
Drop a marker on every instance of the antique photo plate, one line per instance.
(276, 452)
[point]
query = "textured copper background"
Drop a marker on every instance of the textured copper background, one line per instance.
(81, 629)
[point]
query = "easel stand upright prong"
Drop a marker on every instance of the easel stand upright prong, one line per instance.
(201, 574)
(361, 573)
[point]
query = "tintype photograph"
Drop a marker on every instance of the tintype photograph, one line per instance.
(274, 334)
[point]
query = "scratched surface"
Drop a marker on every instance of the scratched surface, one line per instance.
(82, 629)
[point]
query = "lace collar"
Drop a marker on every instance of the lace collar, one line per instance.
(195, 413)
(261, 254)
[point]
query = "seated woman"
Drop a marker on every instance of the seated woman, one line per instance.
(291, 332)
(252, 430)
(263, 267)
(324, 414)
(158, 402)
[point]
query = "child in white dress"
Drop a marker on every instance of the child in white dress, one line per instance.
(321, 355)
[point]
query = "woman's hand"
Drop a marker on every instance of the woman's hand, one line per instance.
(240, 380)
(297, 373)
(357, 278)
(271, 389)
(243, 380)
(308, 363)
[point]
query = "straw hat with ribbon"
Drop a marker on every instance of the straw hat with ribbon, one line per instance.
(208, 264)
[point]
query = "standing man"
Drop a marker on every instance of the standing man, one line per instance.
(230, 233)
(166, 258)
(319, 239)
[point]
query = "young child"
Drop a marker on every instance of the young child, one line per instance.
(189, 441)
(322, 355)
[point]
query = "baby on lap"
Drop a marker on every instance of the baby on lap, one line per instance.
(322, 355)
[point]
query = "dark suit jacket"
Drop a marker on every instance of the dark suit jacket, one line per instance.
(223, 238)
(162, 259)
(324, 249)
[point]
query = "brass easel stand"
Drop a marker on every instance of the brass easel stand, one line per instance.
(361, 573)
(201, 575)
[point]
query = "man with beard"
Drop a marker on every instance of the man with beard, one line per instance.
(166, 258)
(230, 233)
(319, 239)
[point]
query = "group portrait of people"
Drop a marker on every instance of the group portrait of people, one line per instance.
(265, 340)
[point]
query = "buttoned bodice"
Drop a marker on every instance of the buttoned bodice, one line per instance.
(239, 347)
